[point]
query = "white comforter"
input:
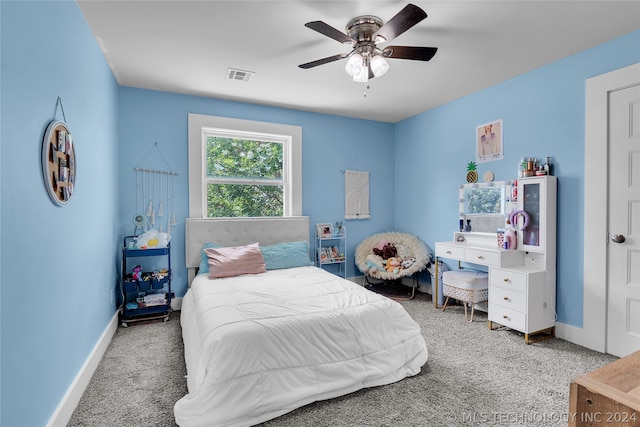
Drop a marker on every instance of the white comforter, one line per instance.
(259, 346)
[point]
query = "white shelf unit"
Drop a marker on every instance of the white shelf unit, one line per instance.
(330, 253)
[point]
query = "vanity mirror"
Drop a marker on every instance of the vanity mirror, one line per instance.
(483, 205)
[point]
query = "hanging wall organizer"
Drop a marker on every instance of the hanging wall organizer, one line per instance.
(59, 159)
(154, 197)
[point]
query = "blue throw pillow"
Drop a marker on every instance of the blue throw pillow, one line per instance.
(204, 260)
(286, 255)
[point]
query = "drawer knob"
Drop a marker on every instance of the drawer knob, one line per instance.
(506, 279)
(504, 316)
(480, 257)
(505, 298)
(449, 252)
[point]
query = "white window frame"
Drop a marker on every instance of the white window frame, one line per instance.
(201, 125)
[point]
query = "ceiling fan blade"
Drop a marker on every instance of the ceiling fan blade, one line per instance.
(409, 52)
(329, 31)
(323, 61)
(405, 19)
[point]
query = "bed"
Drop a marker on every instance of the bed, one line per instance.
(260, 345)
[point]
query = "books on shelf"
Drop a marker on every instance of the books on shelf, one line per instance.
(330, 254)
(324, 256)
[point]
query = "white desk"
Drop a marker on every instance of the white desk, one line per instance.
(518, 297)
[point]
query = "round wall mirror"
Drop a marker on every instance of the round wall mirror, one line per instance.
(58, 162)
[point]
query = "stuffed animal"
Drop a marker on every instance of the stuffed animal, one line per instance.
(374, 263)
(136, 273)
(387, 251)
(378, 249)
(408, 262)
(381, 244)
(393, 265)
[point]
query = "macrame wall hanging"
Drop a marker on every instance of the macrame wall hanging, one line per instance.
(356, 195)
(155, 197)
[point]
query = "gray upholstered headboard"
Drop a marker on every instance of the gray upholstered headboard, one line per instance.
(240, 231)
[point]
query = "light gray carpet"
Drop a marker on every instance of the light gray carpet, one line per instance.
(474, 376)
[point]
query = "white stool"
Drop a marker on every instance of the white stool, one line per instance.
(469, 287)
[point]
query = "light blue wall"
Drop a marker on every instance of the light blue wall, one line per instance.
(59, 266)
(58, 263)
(543, 115)
(330, 144)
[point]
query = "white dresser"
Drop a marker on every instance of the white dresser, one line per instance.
(522, 282)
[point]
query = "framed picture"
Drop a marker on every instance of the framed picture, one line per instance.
(324, 230)
(489, 142)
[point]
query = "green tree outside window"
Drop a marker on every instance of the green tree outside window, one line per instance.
(244, 177)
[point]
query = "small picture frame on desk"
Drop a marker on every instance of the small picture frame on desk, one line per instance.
(324, 230)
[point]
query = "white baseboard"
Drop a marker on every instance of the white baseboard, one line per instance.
(72, 397)
(176, 303)
(74, 393)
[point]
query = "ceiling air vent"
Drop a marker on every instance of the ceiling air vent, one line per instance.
(243, 76)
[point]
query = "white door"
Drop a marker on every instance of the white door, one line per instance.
(623, 311)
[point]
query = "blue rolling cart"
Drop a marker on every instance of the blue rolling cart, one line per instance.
(145, 295)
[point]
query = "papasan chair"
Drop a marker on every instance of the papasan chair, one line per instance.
(385, 258)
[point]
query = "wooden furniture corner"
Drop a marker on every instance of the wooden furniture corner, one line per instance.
(609, 395)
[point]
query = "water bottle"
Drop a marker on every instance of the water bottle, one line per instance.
(548, 168)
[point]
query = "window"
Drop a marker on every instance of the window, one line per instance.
(241, 168)
(245, 175)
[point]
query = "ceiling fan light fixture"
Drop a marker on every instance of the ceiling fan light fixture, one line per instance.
(363, 76)
(363, 33)
(354, 65)
(379, 66)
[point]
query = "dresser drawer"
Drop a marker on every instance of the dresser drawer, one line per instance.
(507, 317)
(484, 257)
(508, 279)
(449, 251)
(508, 298)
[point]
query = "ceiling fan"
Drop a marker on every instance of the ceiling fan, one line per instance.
(364, 33)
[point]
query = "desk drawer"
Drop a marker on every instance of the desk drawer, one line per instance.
(508, 298)
(508, 279)
(507, 317)
(484, 257)
(449, 251)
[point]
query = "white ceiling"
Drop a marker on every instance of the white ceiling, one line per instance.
(187, 46)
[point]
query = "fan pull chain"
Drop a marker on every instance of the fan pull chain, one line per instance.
(365, 90)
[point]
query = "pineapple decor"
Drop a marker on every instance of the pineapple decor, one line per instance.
(472, 173)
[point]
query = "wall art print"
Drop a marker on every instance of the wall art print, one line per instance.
(489, 145)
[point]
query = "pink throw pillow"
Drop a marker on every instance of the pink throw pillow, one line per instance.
(235, 260)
